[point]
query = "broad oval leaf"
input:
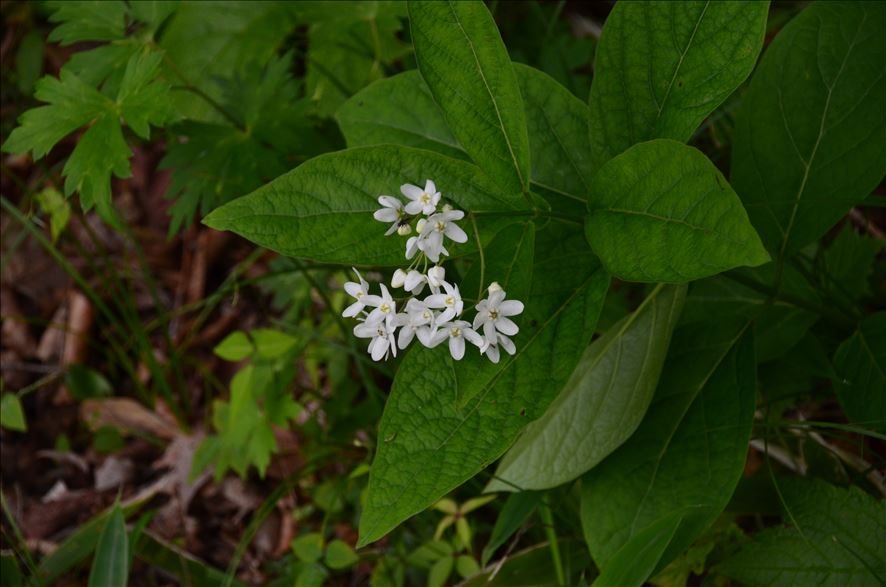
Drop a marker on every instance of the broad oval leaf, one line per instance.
(601, 404)
(322, 209)
(661, 212)
(429, 443)
(465, 64)
(685, 459)
(810, 140)
(401, 110)
(662, 67)
(110, 568)
(860, 367)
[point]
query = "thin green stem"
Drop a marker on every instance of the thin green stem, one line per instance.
(544, 512)
(482, 256)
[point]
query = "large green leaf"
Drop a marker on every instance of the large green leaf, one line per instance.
(810, 140)
(837, 538)
(860, 367)
(465, 64)
(688, 454)
(322, 210)
(602, 403)
(429, 443)
(662, 67)
(111, 564)
(401, 110)
(661, 211)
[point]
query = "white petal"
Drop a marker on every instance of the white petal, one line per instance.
(489, 332)
(457, 347)
(413, 279)
(446, 315)
(412, 246)
(478, 320)
(436, 275)
(414, 207)
(507, 344)
(386, 295)
(453, 215)
(364, 330)
(455, 233)
(413, 192)
(438, 337)
(392, 229)
(436, 301)
(371, 301)
(430, 188)
(405, 337)
(510, 308)
(379, 348)
(496, 297)
(353, 289)
(399, 278)
(506, 326)
(385, 215)
(472, 336)
(390, 202)
(492, 353)
(352, 310)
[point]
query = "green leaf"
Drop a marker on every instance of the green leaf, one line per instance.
(110, 566)
(311, 575)
(53, 203)
(398, 110)
(88, 20)
(678, 471)
(631, 564)
(602, 403)
(440, 571)
(837, 538)
(848, 263)
(322, 209)
(466, 66)
(533, 567)
(860, 373)
(661, 211)
(12, 416)
(517, 509)
(429, 443)
(662, 67)
(556, 122)
(466, 565)
(401, 110)
(85, 383)
(340, 555)
(235, 347)
(143, 100)
(308, 547)
(272, 344)
(29, 61)
(809, 138)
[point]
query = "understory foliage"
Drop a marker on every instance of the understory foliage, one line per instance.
(675, 264)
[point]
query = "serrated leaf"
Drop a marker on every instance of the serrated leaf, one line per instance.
(661, 212)
(322, 210)
(809, 138)
(837, 538)
(662, 67)
(517, 509)
(429, 443)
(235, 347)
(110, 566)
(88, 20)
(860, 373)
(466, 66)
(12, 416)
(401, 110)
(153, 12)
(681, 466)
(53, 203)
(142, 100)
(602, 403)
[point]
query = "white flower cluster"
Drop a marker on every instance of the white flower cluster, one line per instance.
(435, 318)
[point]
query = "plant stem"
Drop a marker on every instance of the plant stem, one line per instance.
(544, 511)
(482, 257)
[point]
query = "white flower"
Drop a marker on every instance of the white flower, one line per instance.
(436, 227)
(436, 276)
(423, 200)
(391, 211)
(415, 282)
(450, 302)
(456, 332)
(492, 314)
(382, 335)
(398, 279)
(490, 349)
(418, 319)
(359, 291)
(385, 307)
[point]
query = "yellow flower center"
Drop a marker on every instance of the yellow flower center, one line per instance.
(425, 198)
(385, 308)
(455, 331)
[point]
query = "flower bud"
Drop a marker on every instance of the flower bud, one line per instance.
(447, 207)
(399, 278)
(494, 287)
(436, 275)
(420, 226)
(404, 229)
